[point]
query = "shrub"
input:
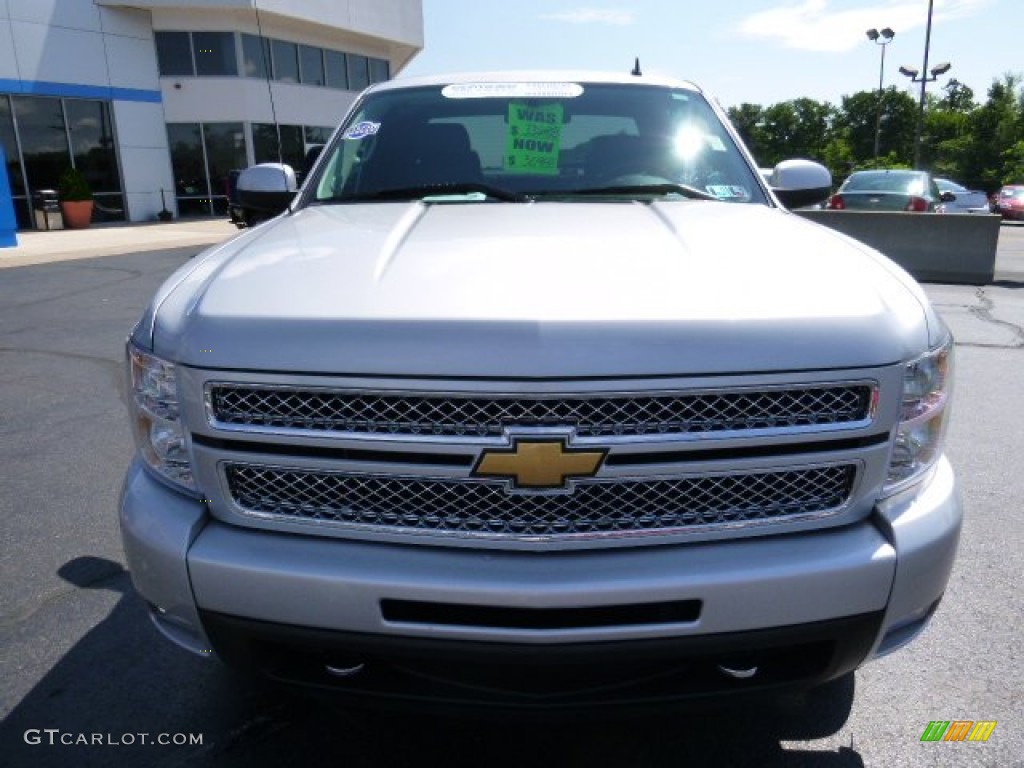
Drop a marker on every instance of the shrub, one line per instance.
(74, 186)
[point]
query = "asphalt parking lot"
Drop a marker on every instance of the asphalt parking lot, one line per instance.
(78, 657)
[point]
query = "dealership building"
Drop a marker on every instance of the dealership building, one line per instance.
(156, 101)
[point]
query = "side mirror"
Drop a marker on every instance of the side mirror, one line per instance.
(798, 183)
(947, 197)
(265, 190)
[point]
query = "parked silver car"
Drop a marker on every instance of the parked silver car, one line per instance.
(965, 200)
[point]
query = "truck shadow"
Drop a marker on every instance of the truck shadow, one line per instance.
(122, 680)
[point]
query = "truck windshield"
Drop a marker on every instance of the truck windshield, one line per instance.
(534, 141)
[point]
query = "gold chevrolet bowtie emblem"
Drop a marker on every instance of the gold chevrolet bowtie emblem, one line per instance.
(539, 464)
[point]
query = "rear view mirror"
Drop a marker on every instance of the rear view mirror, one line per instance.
(798, 183)
(265, 190)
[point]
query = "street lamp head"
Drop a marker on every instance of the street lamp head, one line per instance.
(941, 69)
(909, 72)
(881, 38)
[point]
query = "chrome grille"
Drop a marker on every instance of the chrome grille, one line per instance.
(487, 509)
(604, 415)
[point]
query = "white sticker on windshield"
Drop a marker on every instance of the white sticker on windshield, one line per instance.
(728, 192)
(512, 90)
(362, 130)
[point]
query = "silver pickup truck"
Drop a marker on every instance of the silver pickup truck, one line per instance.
(536, 396)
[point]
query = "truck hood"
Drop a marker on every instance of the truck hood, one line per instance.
(539, 290)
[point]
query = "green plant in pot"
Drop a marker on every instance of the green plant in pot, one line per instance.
(75, 199)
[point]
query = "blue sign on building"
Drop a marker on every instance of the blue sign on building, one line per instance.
(8, 225)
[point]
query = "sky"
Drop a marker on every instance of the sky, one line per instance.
(756, 51)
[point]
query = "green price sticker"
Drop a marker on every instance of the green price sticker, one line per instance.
(534, 138)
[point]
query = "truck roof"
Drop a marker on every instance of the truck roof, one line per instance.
(539, 75)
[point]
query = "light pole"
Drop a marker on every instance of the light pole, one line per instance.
(921, 76)
(882, 39)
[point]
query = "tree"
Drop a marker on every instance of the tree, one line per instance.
(981, 145)
(1013, 165)
(995, 128)
(798, 128)
(859, 114)
(958, 97)
(746, 119)
(946, 132)
(945, 139)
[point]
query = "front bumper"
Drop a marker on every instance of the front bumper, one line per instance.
(211, 584)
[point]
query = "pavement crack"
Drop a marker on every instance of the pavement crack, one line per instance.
(983, 311)
(104, 361)
(256, 728)
(20, 615)
(113, 368)
(103, 268)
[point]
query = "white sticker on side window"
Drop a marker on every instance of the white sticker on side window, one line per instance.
(362, 130)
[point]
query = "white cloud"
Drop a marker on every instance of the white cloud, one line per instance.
(816, 25)
(612, 16)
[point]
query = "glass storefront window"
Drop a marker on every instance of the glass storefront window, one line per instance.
(92, 146)
(358, 72)
(9, 142)
(203, 156)
(379, 70)
(264, 142)
(92, 143)
(44, 140)
(255, 56)
(293, 148)
(225, 152)
(337, 70)
(37, 130)
(312, 61)
(215, 53)
(189, 165)
(174, 54)
(317, 134)
(286, 61)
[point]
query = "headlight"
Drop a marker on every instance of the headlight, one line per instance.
(154, 411)
(927, 385)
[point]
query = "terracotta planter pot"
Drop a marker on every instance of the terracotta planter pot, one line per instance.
(77, 214)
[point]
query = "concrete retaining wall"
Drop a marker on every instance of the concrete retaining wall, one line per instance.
(940, 248)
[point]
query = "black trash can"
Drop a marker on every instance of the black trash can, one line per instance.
(46, 209)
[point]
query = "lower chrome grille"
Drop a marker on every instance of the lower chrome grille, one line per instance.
(486, 509)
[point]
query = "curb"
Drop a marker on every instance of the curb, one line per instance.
(36, 248)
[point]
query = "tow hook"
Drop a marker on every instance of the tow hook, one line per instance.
(344, 671)
(737, 673)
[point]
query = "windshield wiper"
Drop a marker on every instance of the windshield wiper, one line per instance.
(664, 188)
(421, 191)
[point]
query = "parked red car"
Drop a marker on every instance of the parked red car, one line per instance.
(1010, 202)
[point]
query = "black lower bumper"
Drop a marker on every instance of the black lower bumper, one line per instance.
(478, 676)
